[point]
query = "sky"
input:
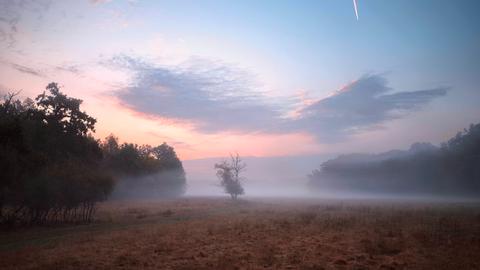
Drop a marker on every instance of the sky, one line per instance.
(262, 78)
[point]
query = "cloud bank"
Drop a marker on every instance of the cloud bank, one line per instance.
(213, 97)
(363, 104)
(216, 97)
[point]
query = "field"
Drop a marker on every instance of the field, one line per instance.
(216, 233)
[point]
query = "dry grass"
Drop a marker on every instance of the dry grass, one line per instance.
(219, 234)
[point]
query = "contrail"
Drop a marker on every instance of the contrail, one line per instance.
(355, 7)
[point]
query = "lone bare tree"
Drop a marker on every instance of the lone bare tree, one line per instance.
(230, 177)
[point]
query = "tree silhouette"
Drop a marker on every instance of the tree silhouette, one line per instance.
(53, 170)
(64, 112)
(229, 174)
(144, 171)
(50, 163)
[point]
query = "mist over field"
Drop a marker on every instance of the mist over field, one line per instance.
(240, 134)
(423, 172)
(265, 176)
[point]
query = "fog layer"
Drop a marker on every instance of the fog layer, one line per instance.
(423, 170)
(265, 176)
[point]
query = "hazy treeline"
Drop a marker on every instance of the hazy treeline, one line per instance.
(143, 171)
(452, 169)
(53, 170)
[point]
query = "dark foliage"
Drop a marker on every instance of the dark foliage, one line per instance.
(144, 171)
(452, 169)
(52, 169)
(50, 166)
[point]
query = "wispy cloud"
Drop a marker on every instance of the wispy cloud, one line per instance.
(211, 96)
(97, 2)
(66, 67)
(364, 104)
(25, 69)
(215, 97)
(11, 13)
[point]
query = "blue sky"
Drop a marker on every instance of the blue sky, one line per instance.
(282, 59)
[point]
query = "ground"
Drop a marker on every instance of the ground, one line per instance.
(217, 233)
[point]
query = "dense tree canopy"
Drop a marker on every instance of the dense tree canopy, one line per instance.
(50, 166)
(144, 171)
(53, 170)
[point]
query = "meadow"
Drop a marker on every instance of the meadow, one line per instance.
(254, 233)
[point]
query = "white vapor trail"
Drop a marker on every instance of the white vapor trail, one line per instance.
(355, 7)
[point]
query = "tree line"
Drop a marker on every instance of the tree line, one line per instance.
(143, 171)
(453, 169)
(54, 171)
